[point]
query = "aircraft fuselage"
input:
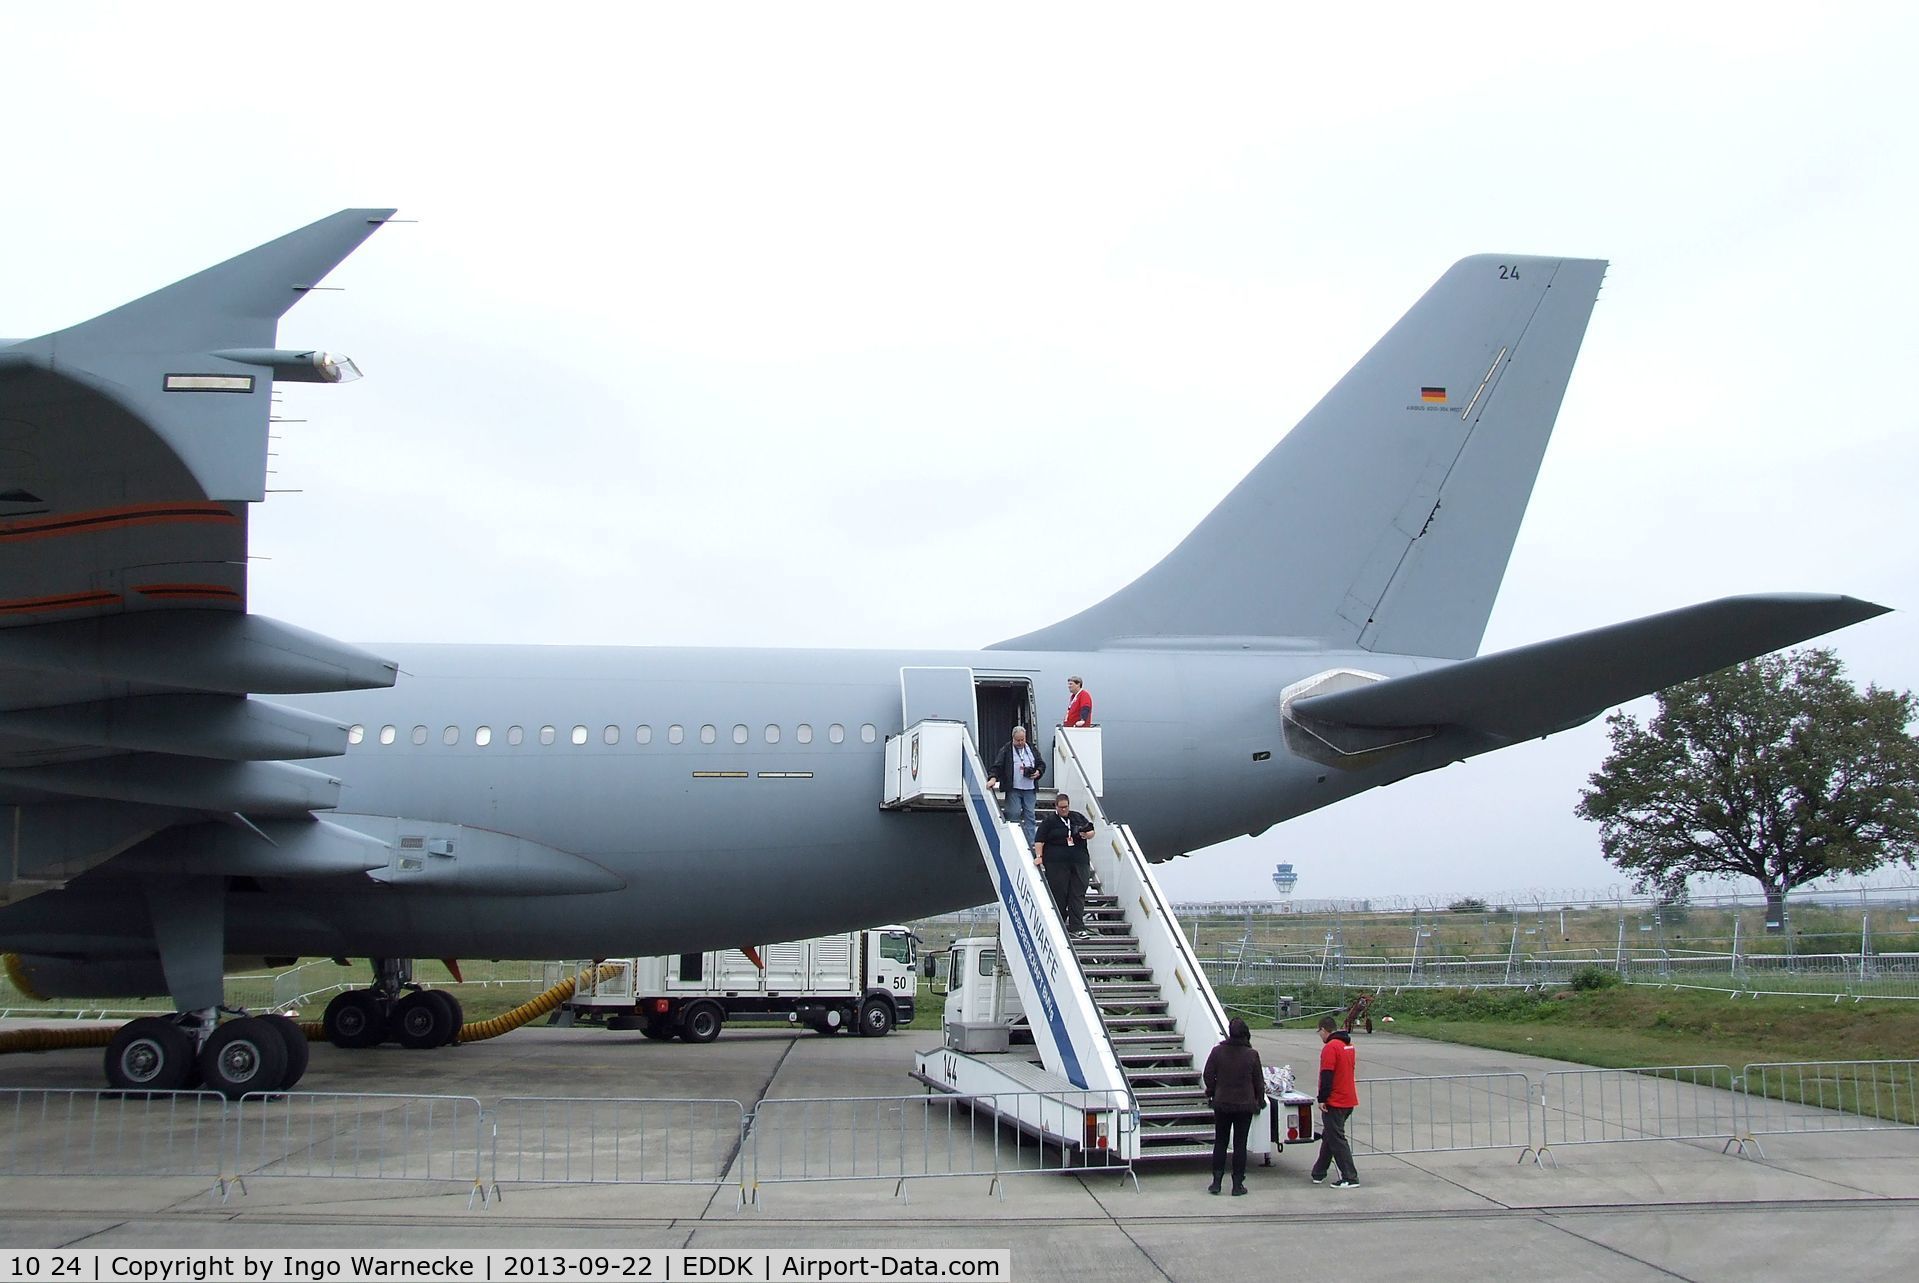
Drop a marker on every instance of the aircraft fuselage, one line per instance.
(758, 819)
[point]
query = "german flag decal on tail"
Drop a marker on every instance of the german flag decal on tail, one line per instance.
(1432, 394)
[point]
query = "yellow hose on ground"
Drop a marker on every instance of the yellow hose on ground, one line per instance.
(472, 1031)
(57, 1039)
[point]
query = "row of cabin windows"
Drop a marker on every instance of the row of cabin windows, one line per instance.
(675, 734)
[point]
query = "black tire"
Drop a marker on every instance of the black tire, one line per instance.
(877, 1018)
(701, 1022)
(355, 1019)
(242, 1056)
(299, 1050)
(150, 1054)
(420, 1022)
(657, 1032)
(455, 1014)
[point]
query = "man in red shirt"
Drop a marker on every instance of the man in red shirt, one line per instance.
(1338, 1097)
(1079, 705)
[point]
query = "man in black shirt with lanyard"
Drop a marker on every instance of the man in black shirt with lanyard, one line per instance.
(1063, 835)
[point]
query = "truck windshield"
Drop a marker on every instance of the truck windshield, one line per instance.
(897, 946)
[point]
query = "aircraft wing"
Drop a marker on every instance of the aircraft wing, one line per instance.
(1549, 686)
(130, 448)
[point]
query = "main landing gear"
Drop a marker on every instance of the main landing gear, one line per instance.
(177, 1053)
(394, 1009)
(193, 1048)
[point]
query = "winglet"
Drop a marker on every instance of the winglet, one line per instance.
(232, 304)
(180, 368)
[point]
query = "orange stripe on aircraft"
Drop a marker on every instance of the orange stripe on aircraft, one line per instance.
(139, 514)
(66, 601)
(188, 592)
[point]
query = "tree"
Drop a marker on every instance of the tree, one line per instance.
(1777, 769)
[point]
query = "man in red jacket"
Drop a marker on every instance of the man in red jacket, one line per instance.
(1338, 1097)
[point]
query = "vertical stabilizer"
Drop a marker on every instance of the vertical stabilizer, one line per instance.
(1385, 519)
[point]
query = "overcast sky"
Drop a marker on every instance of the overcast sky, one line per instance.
(721, 327)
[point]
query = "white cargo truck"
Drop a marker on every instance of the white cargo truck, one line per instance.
(864, 980)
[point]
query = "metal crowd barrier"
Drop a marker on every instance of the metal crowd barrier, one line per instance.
(900, 1138)
(1655, 1102)
(1831, 1096)
(555, 1140)
(111, 1133)
(1424, 1115)
(542, 1140)
(360, 1136)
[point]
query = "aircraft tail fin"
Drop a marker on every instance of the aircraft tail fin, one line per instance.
(1385, 519)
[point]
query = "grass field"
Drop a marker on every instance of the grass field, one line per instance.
(1623, 1027)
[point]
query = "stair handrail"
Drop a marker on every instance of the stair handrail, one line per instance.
(986, 819)
(1131, 858)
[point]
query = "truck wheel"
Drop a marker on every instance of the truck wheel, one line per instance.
(876, 1018)
(657, 1032)
(702, 1022)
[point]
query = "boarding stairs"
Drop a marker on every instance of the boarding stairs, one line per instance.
(1128, 1010)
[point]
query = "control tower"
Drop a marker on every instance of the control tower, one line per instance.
(1284, 880)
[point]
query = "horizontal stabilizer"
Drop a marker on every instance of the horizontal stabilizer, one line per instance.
(1536, 690)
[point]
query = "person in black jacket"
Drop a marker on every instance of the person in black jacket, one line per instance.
(1019, 769)
(1059, 848)
(1236, 1089)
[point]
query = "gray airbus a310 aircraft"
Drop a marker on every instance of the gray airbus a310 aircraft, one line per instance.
(185, 782)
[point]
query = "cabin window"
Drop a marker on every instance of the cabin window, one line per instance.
(675, 733)
(739, 734)
(515, 734)
(868, 733)
(708, 734)
(483, 736)
(451, 735)
(642, 734)
(355, 734)
(988, 961)
(579, 734)
(898, 946)
(548, 735)
(388, 734)
(772, 734)
(803, 733)
(611, 735)
(419, 735)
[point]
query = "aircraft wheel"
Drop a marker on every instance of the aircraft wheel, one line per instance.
(299, 1051)
(150, 1054)
(242, 1056)
(701, 1022)
(456, 1014)
(876, 1018)
(657, 1032)
(420, 1022)
(354, 1019)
